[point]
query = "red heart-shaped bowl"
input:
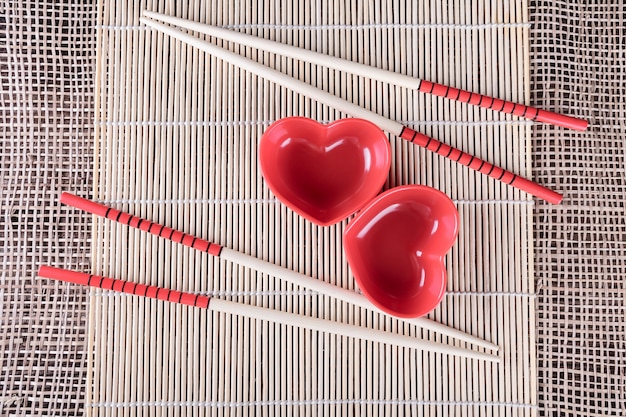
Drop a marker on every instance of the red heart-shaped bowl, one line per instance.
(396, 246)
(324, 172)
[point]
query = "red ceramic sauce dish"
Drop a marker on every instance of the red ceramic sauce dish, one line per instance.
(324, 173)
(396, 246)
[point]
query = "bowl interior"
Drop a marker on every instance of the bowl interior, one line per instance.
(396, 247)
(324, 172)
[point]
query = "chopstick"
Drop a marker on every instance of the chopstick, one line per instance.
(354, 110)
(246, 310)
(359, 69)
(257, 264)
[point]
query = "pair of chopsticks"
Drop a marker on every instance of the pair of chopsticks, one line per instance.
(265, 267)
(152, 19)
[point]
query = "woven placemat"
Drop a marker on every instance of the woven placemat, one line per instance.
(578, 67)
(47, 64)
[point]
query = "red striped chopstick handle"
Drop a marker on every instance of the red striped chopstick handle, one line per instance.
(503, 106)
(118, 285)
(481, 166)
(142, 224)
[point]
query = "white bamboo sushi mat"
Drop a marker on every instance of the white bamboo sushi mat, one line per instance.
(177, 134)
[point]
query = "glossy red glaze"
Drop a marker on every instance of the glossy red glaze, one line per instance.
(396, 246)
(324, 172)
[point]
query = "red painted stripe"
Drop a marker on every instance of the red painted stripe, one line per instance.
(520, 110)
(145, 225)
(421, 139)
(534, 115)
(496, 173)
(203, 301)
(474, 99)
(174, 296)
(201, 245)
(406, 133)
(456, 154)
(464, 96)
(508, 107)
(497, 104)
(124, 218)
(426, 86)
(434, 145)
(135, 222)
(214, 249)
(508, 177)
(466, 159)
(440, 90)
(187, 299)
(118, 285)
(176, 236)
(151, 292)
(163, 230)
(113, 214)
(476, 164)
(453, 93)
(189, 240)
(163, 294)
(140, 289)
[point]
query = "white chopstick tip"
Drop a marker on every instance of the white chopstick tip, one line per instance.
(148, 14)
(150, 19)
(162, 19)
(145, 20)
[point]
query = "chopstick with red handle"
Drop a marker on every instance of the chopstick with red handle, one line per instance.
(502, 106)
(141, 224)
(380, 74)
(257, 264)
(133, 288)
(354, 110)
(246, 310)
(480, 165)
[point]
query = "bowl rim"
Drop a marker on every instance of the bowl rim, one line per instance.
(385, 161)
(348, 239)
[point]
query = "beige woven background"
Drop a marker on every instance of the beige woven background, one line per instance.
(47, 72)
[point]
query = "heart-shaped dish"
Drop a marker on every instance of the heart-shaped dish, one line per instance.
(325, 173)
(396, 246)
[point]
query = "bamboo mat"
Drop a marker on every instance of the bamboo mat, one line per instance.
(176, 141)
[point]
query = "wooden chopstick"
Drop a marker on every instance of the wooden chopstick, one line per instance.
(354, 110)
(246, 310)
(257, 264)
(428, 87)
